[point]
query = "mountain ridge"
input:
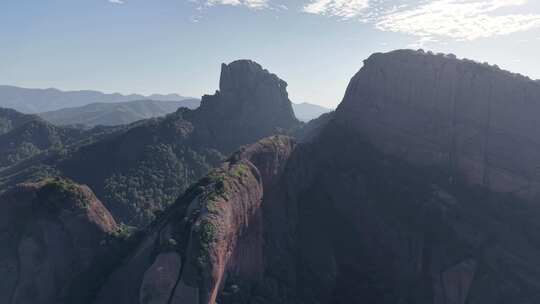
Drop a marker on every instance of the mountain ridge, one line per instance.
(115, 113)
(42, 100)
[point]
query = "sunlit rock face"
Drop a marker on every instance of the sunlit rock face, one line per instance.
(475, 119)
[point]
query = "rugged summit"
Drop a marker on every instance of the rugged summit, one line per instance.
(431, 109)
(251, 104)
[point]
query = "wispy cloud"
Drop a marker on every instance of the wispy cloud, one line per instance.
(117, 1)
(253, 4)
(459, 19)
(432, 20)
(339, 8)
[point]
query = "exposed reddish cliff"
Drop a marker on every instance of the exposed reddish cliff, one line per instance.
(54, 232)
(438, 110)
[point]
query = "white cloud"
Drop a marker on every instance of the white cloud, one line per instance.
(254, 4)
(339, 8)
(462, 20)
(116, 1)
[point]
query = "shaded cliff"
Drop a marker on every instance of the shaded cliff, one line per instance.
(475, 119)
(372, 227)
(58, 242)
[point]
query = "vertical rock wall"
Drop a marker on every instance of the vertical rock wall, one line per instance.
(430, 109)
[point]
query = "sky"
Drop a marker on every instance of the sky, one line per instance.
(177, 46)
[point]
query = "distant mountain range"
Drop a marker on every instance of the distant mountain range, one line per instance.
(116, 113)
(45, 100)
(91, 108)
(308, 111)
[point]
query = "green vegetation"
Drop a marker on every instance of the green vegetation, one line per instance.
(208, 232)
(124, 232)
(59, 193)
(240, 170)
(164, 172)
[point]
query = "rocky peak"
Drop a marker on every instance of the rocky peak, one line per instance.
(242, 74)
(245, 84)
(252, 103)
(465, 116)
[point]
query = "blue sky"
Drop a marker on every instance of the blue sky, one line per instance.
(166, 46)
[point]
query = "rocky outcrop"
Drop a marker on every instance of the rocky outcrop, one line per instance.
(54, 235)
(475, 119)
(251, 103)
(212, 240)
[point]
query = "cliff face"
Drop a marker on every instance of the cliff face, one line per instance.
(376, 228)
(212, 242)
(55, 235)
(251, 104)
(437, 110)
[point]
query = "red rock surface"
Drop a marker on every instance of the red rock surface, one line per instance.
(53, 232)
